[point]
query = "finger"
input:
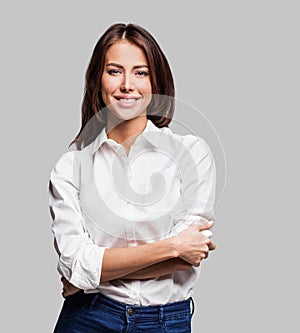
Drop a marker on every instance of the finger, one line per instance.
(65, 283)
(205, 240)
(203, 255)
(212, 246)
(64, 280)
(206, 225)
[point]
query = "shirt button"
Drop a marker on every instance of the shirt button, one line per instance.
(130, 312)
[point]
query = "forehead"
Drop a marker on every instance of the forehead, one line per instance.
(124, 52)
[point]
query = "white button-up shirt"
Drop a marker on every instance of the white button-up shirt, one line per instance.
(101, 198)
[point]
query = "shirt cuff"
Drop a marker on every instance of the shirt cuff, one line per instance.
(85, 272)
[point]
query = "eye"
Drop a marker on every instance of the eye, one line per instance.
(114, 72)
(142, 73)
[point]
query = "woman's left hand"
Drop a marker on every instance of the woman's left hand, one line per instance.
(68, 288)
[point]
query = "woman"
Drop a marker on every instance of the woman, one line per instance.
(131, 203)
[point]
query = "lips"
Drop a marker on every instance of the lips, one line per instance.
(126, 101)
(126, 98)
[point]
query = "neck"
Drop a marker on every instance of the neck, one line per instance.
(126, 130)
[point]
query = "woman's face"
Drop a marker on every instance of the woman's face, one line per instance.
(125, 84)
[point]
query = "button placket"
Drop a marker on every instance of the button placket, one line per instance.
(135, 290)
(130, 236)
(129, 230)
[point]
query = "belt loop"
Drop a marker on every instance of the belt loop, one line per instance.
(161, 313)
(94, 299)
(193, 306)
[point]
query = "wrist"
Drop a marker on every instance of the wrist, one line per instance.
(173, 243)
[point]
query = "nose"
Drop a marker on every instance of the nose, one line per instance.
(127, 83)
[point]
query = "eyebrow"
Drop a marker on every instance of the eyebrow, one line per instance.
(120, 66)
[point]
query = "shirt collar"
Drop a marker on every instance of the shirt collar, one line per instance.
(151, 134)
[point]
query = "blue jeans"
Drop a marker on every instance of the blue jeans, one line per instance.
(96, 313)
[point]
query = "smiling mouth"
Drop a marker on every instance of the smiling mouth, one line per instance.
(127, 102)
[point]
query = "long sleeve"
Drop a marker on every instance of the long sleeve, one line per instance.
(198, 188)
(80, 260)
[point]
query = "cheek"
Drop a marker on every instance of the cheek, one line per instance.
(108, 85)
(146, 87)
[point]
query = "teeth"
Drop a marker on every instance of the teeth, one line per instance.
(127, 100)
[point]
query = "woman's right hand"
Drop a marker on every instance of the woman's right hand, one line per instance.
(192, 245)
(68, 288)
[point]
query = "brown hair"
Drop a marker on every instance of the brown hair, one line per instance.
(161, 109)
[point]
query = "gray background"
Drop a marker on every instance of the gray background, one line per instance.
(238, 62)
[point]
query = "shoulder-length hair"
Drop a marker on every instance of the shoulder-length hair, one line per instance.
(161, 109)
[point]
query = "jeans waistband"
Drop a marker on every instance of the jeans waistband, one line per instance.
(133, 312)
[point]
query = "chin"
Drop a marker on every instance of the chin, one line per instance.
(127, 114)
